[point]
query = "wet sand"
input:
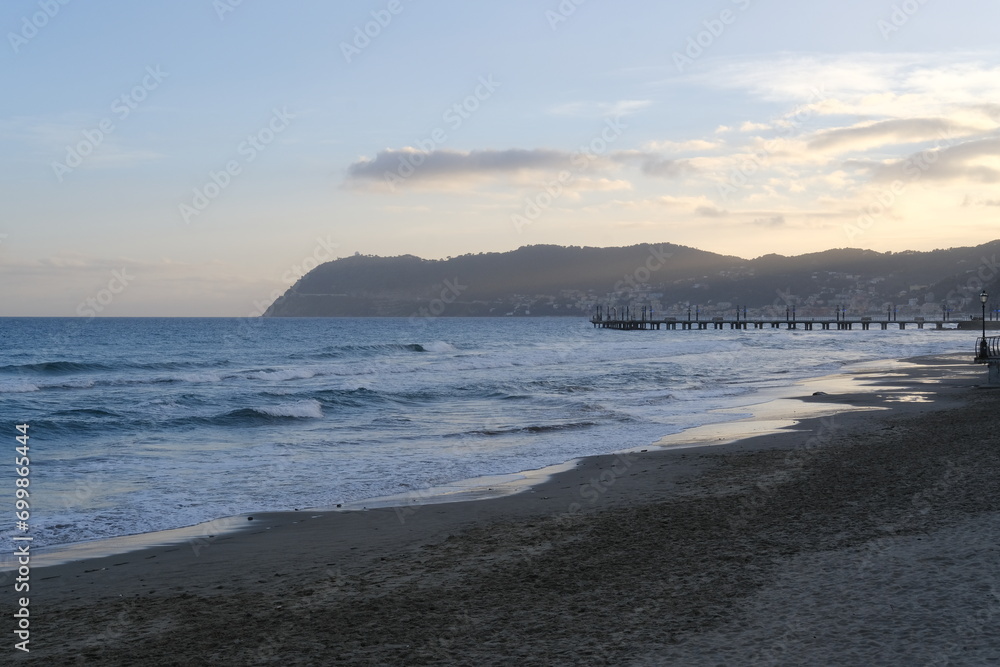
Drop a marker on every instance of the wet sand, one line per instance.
(861, 537)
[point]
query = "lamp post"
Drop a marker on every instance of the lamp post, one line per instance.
(984, 350)
(983, 296)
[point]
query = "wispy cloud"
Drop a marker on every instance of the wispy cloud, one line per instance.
(688, 146)
(590, 109)
(894, 131)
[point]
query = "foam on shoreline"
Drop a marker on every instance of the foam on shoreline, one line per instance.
(775, 410)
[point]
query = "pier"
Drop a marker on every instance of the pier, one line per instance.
(863, 324)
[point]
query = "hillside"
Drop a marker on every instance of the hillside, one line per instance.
(558, 280)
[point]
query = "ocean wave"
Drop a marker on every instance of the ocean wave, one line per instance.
(203, 377)
(89, 412)
(70, 384)
(284, 374)
(439, 346)
(54, 367)
(340, 351)
(535, 428)
(69, 367)
(308, 409)
(302, 410)
(17, 387)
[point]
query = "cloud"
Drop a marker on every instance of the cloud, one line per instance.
(893, 131)
(865, 85)
(773, 221)
(586, 109)
(691, 145)
(976, 161)
(976, 202)
(410, 164)
(654, 164)
(664, 168)
(710, 212)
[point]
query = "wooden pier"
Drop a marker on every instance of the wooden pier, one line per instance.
(864, 324)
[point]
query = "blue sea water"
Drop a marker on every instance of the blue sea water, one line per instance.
(146, 424)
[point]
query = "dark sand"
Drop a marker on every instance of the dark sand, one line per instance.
(858, 539)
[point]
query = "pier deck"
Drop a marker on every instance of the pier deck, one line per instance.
(863, 324)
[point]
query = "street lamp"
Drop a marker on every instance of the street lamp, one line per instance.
(984, 350)
(983, 296)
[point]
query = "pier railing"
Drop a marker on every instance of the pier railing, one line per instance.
(987, 349)
(863, 323)
(988, 352)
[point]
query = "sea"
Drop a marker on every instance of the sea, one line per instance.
(138, 425)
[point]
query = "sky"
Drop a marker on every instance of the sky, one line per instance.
(195, 157)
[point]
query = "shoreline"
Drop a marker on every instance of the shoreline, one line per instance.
(774, 410)
(683, 554)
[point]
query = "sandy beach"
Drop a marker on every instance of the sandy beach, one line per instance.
(860, 537)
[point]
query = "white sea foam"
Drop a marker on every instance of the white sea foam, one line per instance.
(310, 409)
(284, 375)
(439, 346)
(198, 378)
(414, 427)
(17, 387)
